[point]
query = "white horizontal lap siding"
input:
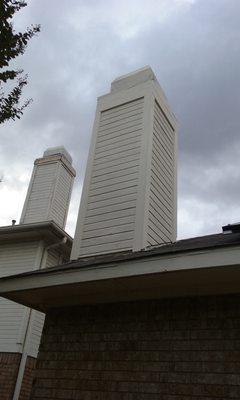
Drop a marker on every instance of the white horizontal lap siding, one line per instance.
(52, 258)
(37, 324)
(11, 315)
(161, 197)
(38, 318)
(111, 205)
(15, 258)
(41, 191)
(61, 198)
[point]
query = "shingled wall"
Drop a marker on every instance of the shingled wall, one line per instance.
(176, 349)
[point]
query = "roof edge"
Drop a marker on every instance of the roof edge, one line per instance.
(40, 228)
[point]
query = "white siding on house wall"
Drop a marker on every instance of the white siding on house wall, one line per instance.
(53, 258)
(37, 322)
(47, 199)
(15, 258)
(11, 316)
(37, 319)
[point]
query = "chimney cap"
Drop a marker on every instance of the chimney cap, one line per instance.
(51, 151)
(133, 78)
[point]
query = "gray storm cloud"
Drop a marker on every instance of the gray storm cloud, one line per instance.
(194, 49)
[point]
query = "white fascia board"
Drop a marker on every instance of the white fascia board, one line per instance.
(134, 268)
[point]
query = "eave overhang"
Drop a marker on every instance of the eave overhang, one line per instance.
(198, 272)
(48, 231)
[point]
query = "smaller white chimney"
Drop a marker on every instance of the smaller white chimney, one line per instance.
(50, 188)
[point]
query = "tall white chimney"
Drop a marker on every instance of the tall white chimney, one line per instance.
(129, 193)
(50, 188)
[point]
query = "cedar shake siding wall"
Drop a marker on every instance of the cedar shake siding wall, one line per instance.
(174, 349)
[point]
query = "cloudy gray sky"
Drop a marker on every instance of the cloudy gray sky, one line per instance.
(193, 47)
